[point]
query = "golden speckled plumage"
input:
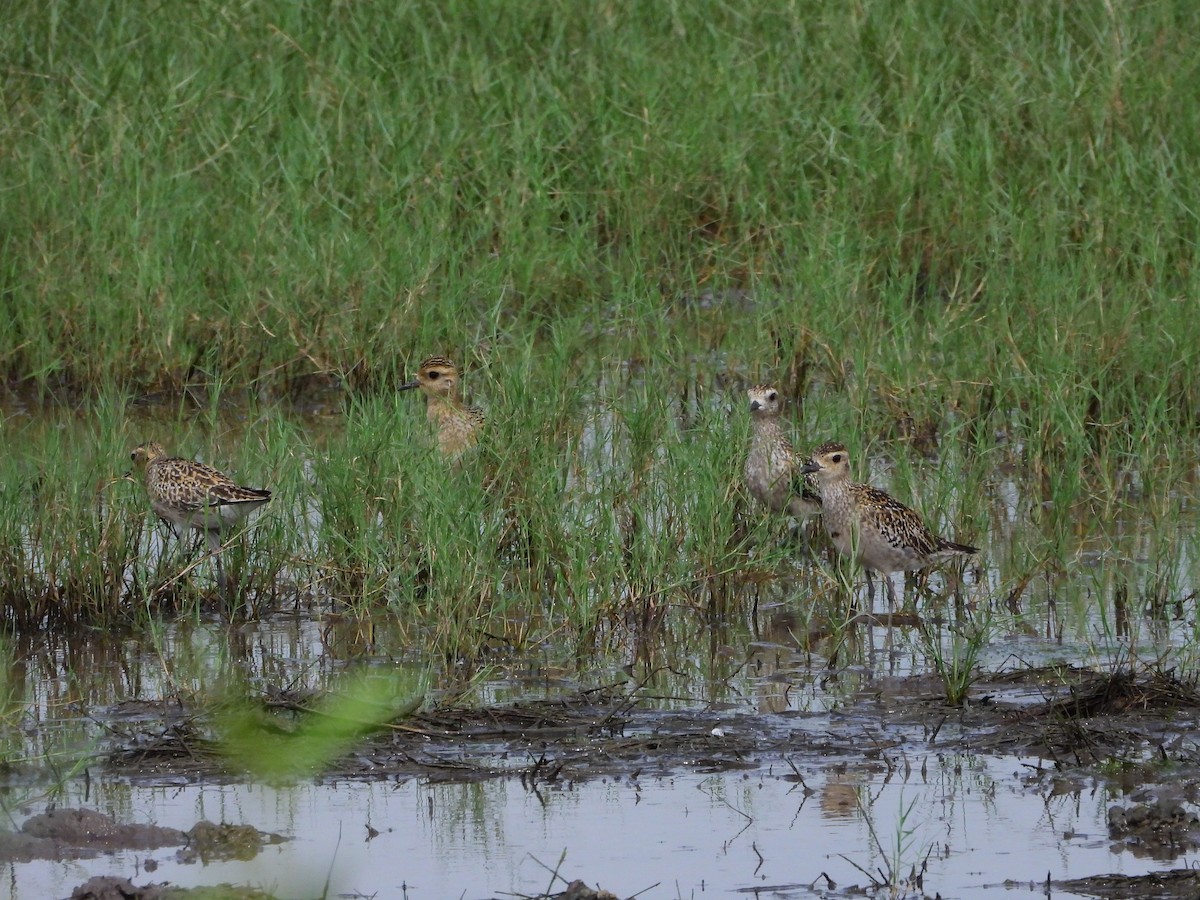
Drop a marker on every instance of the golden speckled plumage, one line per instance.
(772, 471)
(883, 533)
(457, 425)
(190, 494)
(193, 495)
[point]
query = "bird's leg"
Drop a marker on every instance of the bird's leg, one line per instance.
(891, 590)
(177, 533)
(214, 546)
(170, 527)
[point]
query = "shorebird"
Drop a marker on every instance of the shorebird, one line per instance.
(192, 495)
(872, 526)
(458, 426)
(773, 470)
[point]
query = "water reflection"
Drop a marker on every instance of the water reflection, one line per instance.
(970, 822)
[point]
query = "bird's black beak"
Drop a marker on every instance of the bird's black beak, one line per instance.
(409, 386)
(809, 467)
(755, 406)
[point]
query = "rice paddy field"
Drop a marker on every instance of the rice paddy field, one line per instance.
(960, 238)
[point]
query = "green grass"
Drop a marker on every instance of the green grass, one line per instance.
(967, 231)
(977, 195)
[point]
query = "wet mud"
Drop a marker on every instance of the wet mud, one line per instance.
(1177, 884)
(1078, 722)
(109, 887)
(66, 834)
(1077, 728)
(83, 833)
(112, 887)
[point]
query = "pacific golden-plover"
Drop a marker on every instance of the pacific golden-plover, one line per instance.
(192, 495)
(458, 426)
(871, 525)
(773, 470)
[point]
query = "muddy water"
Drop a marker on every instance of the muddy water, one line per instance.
(970, 823)
(787, 782)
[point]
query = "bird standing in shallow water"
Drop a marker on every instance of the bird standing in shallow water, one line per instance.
(190, 494)
(773, 471)
(872, 526)
(458, 426)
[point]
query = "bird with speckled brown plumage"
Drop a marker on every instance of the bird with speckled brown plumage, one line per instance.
(457, 425)
(872, 526)
(194, 495)
(772, 472)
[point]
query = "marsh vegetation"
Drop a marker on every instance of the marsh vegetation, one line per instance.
(961, 239)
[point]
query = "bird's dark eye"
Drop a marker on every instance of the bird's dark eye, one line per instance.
(435, 375)
(837, 457)
(772, 396)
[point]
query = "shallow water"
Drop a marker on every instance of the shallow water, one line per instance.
(974, 822)
(971, 820)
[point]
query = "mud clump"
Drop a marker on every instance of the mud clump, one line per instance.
(81, 834)
(1176, 884)
(84, 833)
(208, 842)
(1160, 827)
(578, 890)
(111, 887)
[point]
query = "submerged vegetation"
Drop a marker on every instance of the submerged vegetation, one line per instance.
(962, 239)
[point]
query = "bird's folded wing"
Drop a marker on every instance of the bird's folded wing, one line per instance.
(228, 494)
